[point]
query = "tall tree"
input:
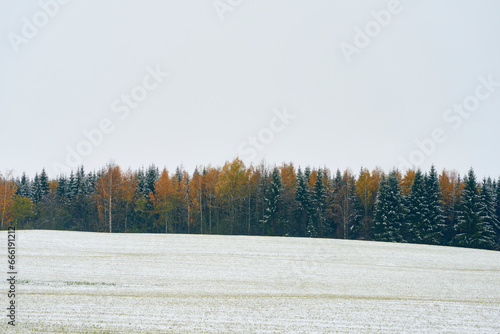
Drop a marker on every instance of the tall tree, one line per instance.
(344, 206)
(211, 178)
(127, 191)
(231, 189)
(490, 218)
(418, 215)
(24, 187)
(164, 199)
(451, 187)
(303, 207)
(272, 216)
(367, 187)
(433, 232)
(389, 210)
(317, 227)
(472, 229)
(107, 188)
(7, 192)
(288, 177)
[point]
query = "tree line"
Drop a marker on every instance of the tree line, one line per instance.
(414, 206)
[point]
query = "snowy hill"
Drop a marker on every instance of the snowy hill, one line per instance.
(136, 283)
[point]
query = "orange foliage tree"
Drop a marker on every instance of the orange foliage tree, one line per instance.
(7, 192)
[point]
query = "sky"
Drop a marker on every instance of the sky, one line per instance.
(337, 84)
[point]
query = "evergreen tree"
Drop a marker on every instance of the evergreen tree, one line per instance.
(472, 229)
(490, 218)
(44, 183)
(272, 216)
(24, 187)
(433, 232)
(152, 175)
(80, 200)
(417, 209)
(36, 190)
(497, 209)
(79, 183)
(63, 189)
(141, 180)
(389, 210)
(318, 204)
(303, 203)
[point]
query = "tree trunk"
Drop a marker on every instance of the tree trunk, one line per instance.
(110, 200)
(201, 214)
(249, 211)
(210, 215)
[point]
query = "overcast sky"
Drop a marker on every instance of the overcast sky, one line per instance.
(319, 83)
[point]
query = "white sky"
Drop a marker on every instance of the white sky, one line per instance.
(227, 76)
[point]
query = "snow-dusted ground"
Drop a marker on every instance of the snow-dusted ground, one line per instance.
(76, 282)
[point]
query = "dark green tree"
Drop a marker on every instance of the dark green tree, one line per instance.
(317, 227)
(272, 217)
(302, 203)
(417, 217)
(490, 218)
(472, 228)
(389, 210)
(433, 232)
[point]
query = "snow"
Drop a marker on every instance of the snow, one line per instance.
(78, 282)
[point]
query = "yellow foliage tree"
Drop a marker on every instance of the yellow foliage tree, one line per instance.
(108, 187)
(231, 187)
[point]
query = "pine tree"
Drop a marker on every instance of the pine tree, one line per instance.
(272, 216)
(472, 229)
(389, 210)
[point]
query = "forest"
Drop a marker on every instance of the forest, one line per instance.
(413, 206)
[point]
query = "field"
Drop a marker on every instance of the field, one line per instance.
(76, 282)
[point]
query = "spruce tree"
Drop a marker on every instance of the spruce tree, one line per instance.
(302, 203)
(272, 216)
(44, 183)
(63, 189)
(417, 209)
(24, 187)
(433, 232)
(472, 229)
(497, 209)
(490, 218)
(36, 190)
(389, 210)
(152, 175)
(318, 203)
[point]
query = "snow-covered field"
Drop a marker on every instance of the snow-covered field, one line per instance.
(74, 282)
